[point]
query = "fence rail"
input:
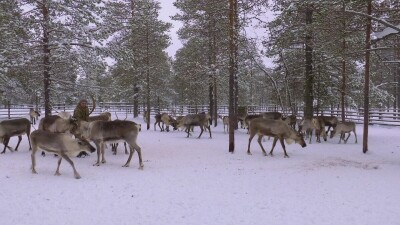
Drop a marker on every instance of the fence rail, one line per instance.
(376, 116)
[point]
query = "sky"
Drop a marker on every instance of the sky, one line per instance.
(197, 182)
(168, 10)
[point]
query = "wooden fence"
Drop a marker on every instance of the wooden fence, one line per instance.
(376, 116)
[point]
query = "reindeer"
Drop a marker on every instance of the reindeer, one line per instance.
(168, 120)
(307, 126)
(191, 120)
(330, 121)
(34, 115)
(14, 127)
(276, 129)
(342, 128)
(291, 121)
(114, 146)
(225, 121)
(318, 125)
(58, 143)
(248, 119)
(102, 131)
(158, 121)
(56, 124)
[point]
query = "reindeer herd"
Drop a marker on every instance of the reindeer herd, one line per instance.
(65, 136)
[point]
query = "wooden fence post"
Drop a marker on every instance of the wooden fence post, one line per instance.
(9, 109)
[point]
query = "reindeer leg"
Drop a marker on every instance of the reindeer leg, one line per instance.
(187, 130)
(103, 159)
(133, 146)
(283, 146)
(345, 141)
(29, 141)
(6, 140)
(273, 145)
(259, 142)
(131, 151)
(209, 130)
(58, 168)
(114, 147)
(76, 174)
(202, 129)
(248, 148)
(98, 153)
(19, 141)
(33, 157)
(355, 135)
(126, 150)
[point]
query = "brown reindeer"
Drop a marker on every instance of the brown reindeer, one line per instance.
(168, 120)
(291, 121)
(59, 143)
(101, 132)
(14, 127)
(277, 129)
(191, 120)
(342, 128)
(307, 126)
(330, 121)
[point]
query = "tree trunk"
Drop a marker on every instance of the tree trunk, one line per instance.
(366, 82)
(135, 100)
(211, 68)
(46, 58)
(343, 89)
(232, 71)
(148, 78)
(308, 92)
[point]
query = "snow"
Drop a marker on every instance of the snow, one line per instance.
(196, 181)
(384, 33)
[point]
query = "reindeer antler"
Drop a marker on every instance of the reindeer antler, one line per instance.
(94, 104)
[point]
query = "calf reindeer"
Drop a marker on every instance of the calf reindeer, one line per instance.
(318, 125)
(168, 120)
(58, 143)
(342, 128)
(102, 131)
(33, 115)
(276, 129)
(14, 127)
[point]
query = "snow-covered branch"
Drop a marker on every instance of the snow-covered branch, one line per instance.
(389, 30)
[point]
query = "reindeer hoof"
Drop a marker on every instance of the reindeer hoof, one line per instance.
(141, 167)
(96, 164)
(265, 154)
(103, 161)
(286, 156)
(77, 176)
(249, 153)
(57, 174)
(126, 165)
(2, 152)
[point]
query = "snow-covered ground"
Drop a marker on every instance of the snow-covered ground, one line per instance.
(196, 181)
